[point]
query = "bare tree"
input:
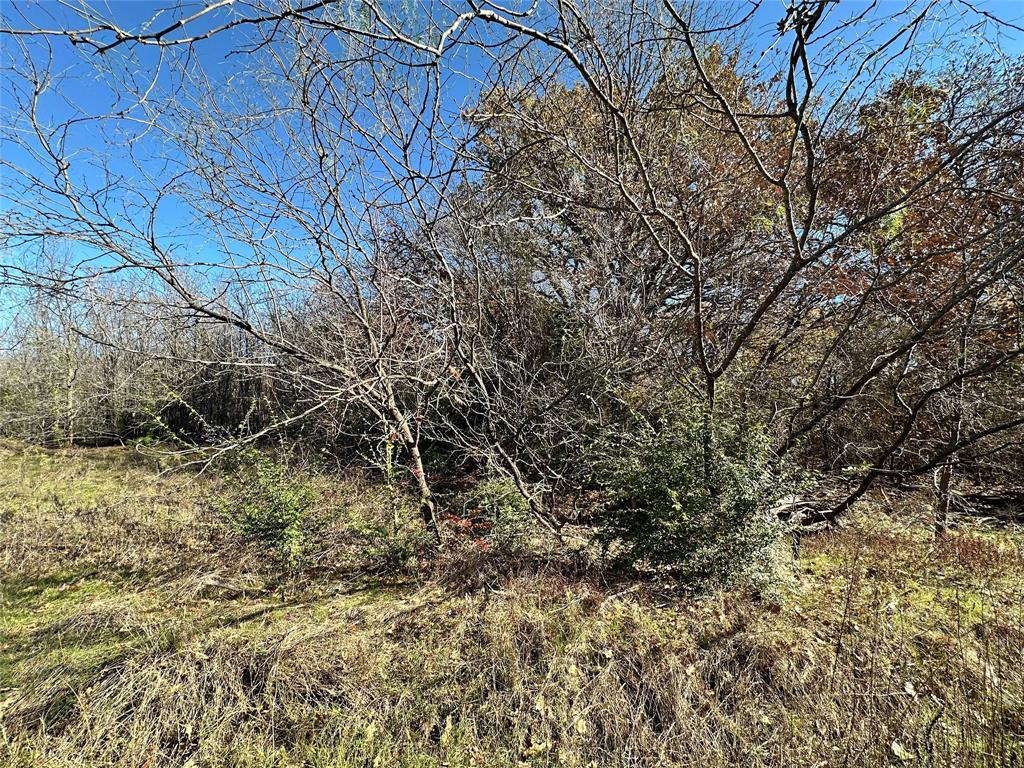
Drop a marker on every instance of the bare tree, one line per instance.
(503, 228)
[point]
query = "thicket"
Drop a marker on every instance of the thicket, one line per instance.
(622, 287)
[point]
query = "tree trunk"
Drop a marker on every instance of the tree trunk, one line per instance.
(943, 478)
(944, 474)
(69, 402)
(428, 510)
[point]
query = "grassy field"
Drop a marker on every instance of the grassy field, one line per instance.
(136, 630)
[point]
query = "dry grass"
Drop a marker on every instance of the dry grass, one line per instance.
(883, 647)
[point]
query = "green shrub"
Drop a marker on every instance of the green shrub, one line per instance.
(689, 496)
(493, 511)
(267, 505)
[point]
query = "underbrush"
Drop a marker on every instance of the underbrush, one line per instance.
(885, 647)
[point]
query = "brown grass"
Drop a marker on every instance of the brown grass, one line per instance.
(882, 647)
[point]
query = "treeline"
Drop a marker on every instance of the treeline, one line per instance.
(79, 374)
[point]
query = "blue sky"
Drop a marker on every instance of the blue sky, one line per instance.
(88, 95)
(81, 89)
(81, 92)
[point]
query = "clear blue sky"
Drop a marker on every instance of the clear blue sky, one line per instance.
(79, 91)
